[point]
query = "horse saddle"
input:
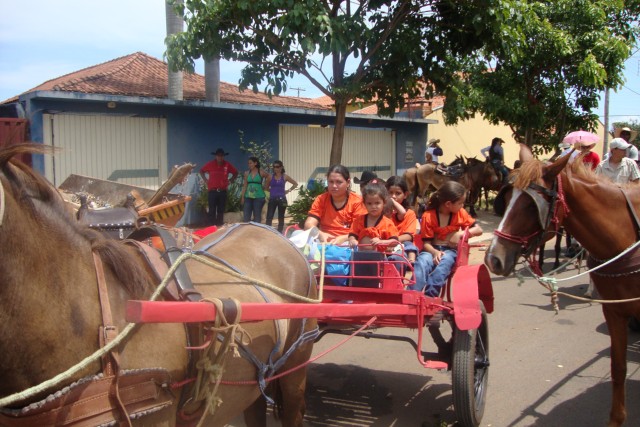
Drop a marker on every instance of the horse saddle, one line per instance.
(454, 171)
(117, 222)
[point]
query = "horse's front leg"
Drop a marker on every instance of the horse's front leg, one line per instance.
(617, 325)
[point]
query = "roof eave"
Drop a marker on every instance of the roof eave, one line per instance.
(77, 96)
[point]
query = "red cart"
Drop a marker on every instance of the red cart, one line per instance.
(377, 297)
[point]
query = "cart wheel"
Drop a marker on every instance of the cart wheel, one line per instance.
(470, 372)
(634, 324)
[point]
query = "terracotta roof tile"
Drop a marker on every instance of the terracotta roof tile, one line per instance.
(142, 75)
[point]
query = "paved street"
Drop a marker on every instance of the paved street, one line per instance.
(546, 370)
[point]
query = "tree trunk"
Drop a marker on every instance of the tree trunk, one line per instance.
(212, 79)
(174, 26)
(338, 133)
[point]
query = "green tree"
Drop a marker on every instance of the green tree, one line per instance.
(380, 41)
(542, 64)
(536, 65)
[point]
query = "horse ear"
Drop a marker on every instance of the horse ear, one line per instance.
(525, 153)
(549, 172)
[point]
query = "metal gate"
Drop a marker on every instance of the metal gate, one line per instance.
(129, 150)
(305, 150)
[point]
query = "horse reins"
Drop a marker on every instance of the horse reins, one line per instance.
(533, 240)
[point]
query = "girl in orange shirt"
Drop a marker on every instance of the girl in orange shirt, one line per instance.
(374, 228)
(441, 228)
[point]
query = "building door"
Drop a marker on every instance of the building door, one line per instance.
(129, 150)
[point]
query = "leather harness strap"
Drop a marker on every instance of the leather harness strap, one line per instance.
(181, 275)
(89, 403)
(159, 267)
(108, 332)
(632, 211)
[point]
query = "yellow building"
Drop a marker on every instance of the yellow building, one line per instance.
(468, 137)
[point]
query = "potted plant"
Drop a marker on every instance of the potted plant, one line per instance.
(299, 209)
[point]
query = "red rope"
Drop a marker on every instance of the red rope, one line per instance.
(516, 239)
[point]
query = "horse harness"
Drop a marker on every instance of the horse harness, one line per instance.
(548, 213)
(115, 397)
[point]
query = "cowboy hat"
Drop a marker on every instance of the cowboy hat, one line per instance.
(365, 177)
(219, 151)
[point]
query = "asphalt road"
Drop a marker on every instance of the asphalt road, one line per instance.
(547, 369)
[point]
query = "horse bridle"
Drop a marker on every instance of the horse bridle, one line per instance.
(547, 201)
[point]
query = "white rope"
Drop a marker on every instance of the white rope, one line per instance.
(49, 384)
(551, 283)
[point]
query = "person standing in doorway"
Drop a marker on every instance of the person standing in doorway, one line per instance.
(278, 195)
(253, 196)
(216, 174)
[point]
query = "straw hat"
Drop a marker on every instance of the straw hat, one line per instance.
(618, 131)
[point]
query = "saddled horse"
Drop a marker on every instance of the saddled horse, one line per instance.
(421, 179)
(53, 305)
(544, 195)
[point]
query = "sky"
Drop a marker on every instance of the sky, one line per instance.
(43, 39)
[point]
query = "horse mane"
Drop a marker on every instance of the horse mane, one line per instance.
(28, 184)
(529, 172)
(532, 171)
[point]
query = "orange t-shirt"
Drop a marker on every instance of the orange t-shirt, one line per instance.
(383, 229)
(333, 221)
(408, 223)
(430, 226)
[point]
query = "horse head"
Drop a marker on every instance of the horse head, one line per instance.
(528, 207)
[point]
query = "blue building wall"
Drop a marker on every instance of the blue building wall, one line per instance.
(195, 129)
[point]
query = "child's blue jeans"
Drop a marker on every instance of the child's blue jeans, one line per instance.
(430, 278)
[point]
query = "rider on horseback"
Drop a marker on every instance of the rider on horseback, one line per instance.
(495, 153)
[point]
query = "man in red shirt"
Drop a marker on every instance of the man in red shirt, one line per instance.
(216, 174)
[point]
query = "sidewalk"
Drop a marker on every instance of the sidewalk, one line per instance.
(489, 222)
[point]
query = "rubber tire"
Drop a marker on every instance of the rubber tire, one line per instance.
(469, 379)
(634, 324)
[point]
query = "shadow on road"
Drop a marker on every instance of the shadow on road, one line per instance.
(591, 407)
(339, 395)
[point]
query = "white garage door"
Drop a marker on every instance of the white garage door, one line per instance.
(129, 150)
(305, 152)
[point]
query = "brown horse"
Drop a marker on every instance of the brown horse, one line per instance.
(50, 312)
(483, 178)
(420, 180)
(582, 202)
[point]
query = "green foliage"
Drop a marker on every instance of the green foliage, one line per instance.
(315, 38)
(261, 150)
(541, 66)
(300, 207)
(233, 196)
(538, 66)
